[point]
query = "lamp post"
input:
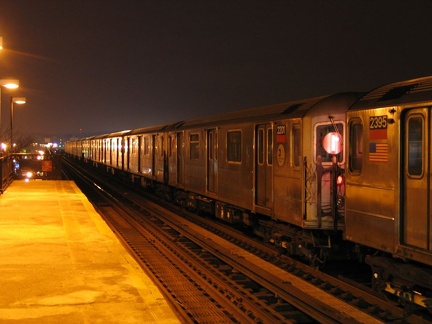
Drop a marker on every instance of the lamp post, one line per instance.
(9, 84)
(18, 101)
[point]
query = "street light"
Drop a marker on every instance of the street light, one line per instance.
(18, 101)
(9, 84)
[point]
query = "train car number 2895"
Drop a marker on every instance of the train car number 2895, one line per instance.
(378, 122)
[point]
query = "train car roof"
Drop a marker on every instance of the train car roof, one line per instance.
(149, 129)
(86, 138)
(396, 93)
(290, 109)
(152, 129)
(100, 136)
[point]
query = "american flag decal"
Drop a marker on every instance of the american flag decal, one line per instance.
(378, 152)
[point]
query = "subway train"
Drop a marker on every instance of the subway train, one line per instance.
(341, 176)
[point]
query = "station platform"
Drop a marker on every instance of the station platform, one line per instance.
(61, 263)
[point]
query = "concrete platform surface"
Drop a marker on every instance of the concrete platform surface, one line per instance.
(61, 263)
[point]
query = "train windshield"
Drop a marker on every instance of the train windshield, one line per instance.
(329, 141)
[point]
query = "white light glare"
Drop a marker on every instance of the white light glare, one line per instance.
(9, 83)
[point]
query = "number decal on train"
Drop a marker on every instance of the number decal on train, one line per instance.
(378, 122)
(280, 130)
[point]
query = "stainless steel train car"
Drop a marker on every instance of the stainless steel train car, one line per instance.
(267, 161)
(388, 182)
(319, 177)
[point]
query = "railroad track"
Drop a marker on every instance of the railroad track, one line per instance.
(209, 279)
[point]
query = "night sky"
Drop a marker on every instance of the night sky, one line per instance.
(92, 66)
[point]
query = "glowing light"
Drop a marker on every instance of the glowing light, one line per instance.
(19, 100)
(339, 180)
(9, 83)
(332, 143)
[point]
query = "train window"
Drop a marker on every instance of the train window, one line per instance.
(415, 146)
(320, 133)
(269, 146)
(356, 146)
(215, 147)
(234, 146)
(210, 146)
(194, 146)
(260, 146)
(296, 144)
(118, 151)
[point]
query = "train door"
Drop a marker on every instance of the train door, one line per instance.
(99, 150)
(127, 153)
(180, 157)
(163, 174)
(117, 151)
(140, 144)
(108, 153)
(123, 152)
(153, 155)
(103, 157)
(264, 164)
(212, 162)
(416, 219)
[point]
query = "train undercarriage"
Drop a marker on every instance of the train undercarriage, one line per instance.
(410, 283)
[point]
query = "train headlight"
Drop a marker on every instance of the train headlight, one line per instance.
(332, 143)
(29, 174)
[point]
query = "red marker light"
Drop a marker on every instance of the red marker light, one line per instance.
(339, 180)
